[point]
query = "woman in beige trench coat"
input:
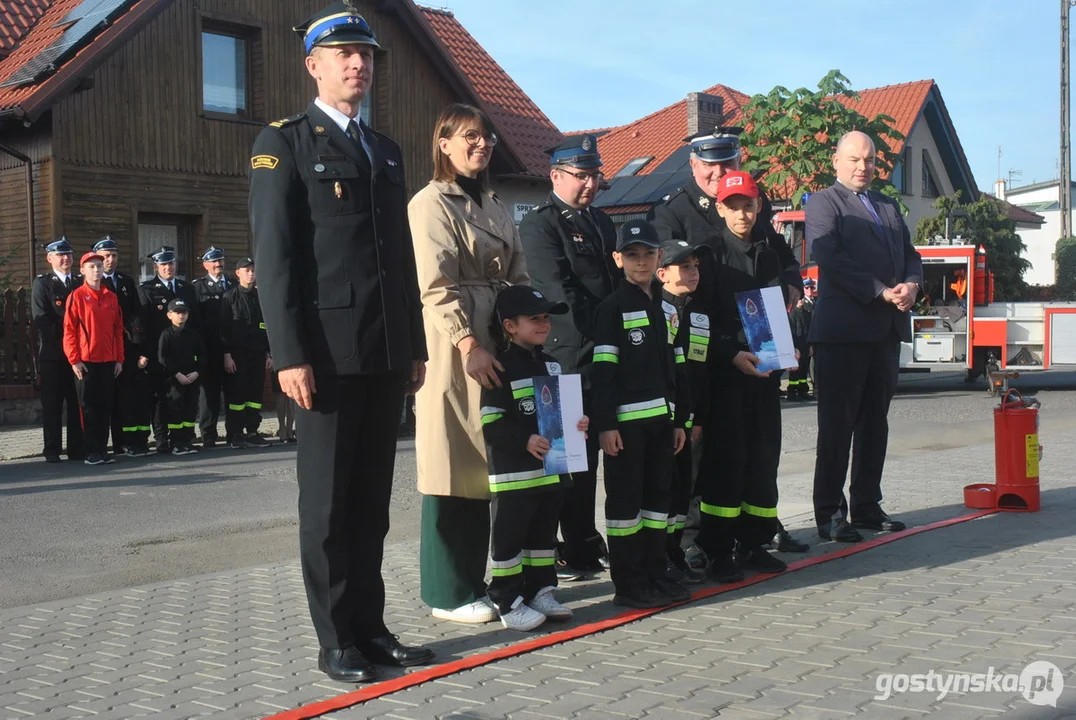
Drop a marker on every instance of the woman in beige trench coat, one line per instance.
(466, 249)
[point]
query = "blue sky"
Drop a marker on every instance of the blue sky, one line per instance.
(595, 63)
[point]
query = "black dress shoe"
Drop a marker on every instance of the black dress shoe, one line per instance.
(724, 569)
(346, 665)
(53, 459)
(387, 650)
(788, 544)
(761, 561)
(840, 531)
(878, 520)
(671, 590)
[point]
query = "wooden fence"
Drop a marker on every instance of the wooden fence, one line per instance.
(17, 340)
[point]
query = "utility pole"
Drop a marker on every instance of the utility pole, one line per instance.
(1065, 181)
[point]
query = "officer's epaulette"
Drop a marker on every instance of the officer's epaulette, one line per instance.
(287, 120)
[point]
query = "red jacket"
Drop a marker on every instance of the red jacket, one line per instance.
(93, 326)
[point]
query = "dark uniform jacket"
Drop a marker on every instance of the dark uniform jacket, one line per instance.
(240, 321)
(688, 323)
(633, 378)
(209, 293)
(799, 320)
(690, 214)
(126, 290)
(155, 296)
(336, 266)
(180, 350)
(570, 259)
(741, 266)
(48, 298)
(857, 260)
(510, 417)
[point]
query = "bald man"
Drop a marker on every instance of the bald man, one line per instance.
(869, 276)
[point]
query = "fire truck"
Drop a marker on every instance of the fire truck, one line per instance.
(957, 324)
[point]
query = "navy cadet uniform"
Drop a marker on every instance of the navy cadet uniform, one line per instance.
(155, 294)
(48, 302)
(739, 494)
(242, 335)
(181, 350)
(130, 415)
(209, 291)
(634, 386)
(525, 499)
(570, 259)
(690, 214)
(339, 291)
(689, 325)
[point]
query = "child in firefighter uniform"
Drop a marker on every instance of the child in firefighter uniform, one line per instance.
(181, 352)
(246, 359)
(739, 498)
(688, 323)
(633, 384)
(526, 500)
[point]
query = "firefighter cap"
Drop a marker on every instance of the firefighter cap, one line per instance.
(60, 247)
(737, 182)
(579, 151)
(244, 262)
(105, 243)
(517, 300)
(178, 305)
(637, 231)
(674, 252)
(163, 256)
(87, 257)
(722, 144)
(212, 253)
(338, 24)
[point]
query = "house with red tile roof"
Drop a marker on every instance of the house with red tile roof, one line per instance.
(646, 159)
(135, 118)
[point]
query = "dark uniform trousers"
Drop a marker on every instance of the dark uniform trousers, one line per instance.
(181, 406)
(797, 378)
(212, 382)
(680, 491)
(855, 383)
(243, 392)
(738, 478)
(637, 484)
(345, 465)
(58, 389)
(95, 392)
(522, 545)
(583, 543)
(132, 406)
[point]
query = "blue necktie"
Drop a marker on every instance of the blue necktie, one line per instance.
(870, 208)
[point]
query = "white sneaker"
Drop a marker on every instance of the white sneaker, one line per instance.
(522, 617)
(474, 613)
(546, 603)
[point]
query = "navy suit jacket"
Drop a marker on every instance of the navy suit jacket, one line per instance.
(857, 260)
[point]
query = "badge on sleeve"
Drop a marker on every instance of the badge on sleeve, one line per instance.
(264, 162)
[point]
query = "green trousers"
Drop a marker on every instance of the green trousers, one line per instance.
(454, 549)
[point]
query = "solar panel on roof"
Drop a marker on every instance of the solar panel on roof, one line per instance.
(89, 18)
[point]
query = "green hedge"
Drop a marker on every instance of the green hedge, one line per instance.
(1065, 253)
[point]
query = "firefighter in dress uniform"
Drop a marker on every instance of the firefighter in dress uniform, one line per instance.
(130, 408)
(246, 359)
(209, 289)
(690, 213)
(569, 246)
(154, 295)
(48, 301)
(339, 292)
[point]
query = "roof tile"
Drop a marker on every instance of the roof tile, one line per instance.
(523, 125)
(16, 19)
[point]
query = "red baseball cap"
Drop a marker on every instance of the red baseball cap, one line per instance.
(736, 182)
(90, 256)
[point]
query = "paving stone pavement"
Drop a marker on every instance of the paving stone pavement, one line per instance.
(995, 592)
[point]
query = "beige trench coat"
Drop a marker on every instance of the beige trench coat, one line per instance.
(465, 255)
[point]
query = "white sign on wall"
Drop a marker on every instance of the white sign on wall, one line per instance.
(520, 210)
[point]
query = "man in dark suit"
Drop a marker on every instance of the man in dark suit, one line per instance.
(209, 289)
(869, 276)
(569, 247)
(48, 302)
(339, 294)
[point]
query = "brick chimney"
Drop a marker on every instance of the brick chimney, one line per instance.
(999, 189)
(704, 112)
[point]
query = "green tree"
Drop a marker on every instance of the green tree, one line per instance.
(984, 223)
(791, 134)
(1065, 253)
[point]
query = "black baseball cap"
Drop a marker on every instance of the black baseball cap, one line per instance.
(637, 231)
(674, 252)
(244, 262)
(178, 305)
(517, 300)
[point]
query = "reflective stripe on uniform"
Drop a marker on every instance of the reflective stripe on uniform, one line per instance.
(538, 558)
(635, 319)
(521, 480)
(718, 511)
(640, 410)
(240, 406)
(490, 414)
(679, 353)
(504, 568)
(522, 388)
(180, 426)
(654, 520)
(137, 428)
(621, 528)
(254, 406)
(676, 522)
(759, 511)
(606, 353)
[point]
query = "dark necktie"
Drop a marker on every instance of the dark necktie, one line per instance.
(870, 208)
(110, 283)
(67, 282)
(355, 133)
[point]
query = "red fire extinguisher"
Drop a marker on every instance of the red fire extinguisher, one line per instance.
(1017, 452)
